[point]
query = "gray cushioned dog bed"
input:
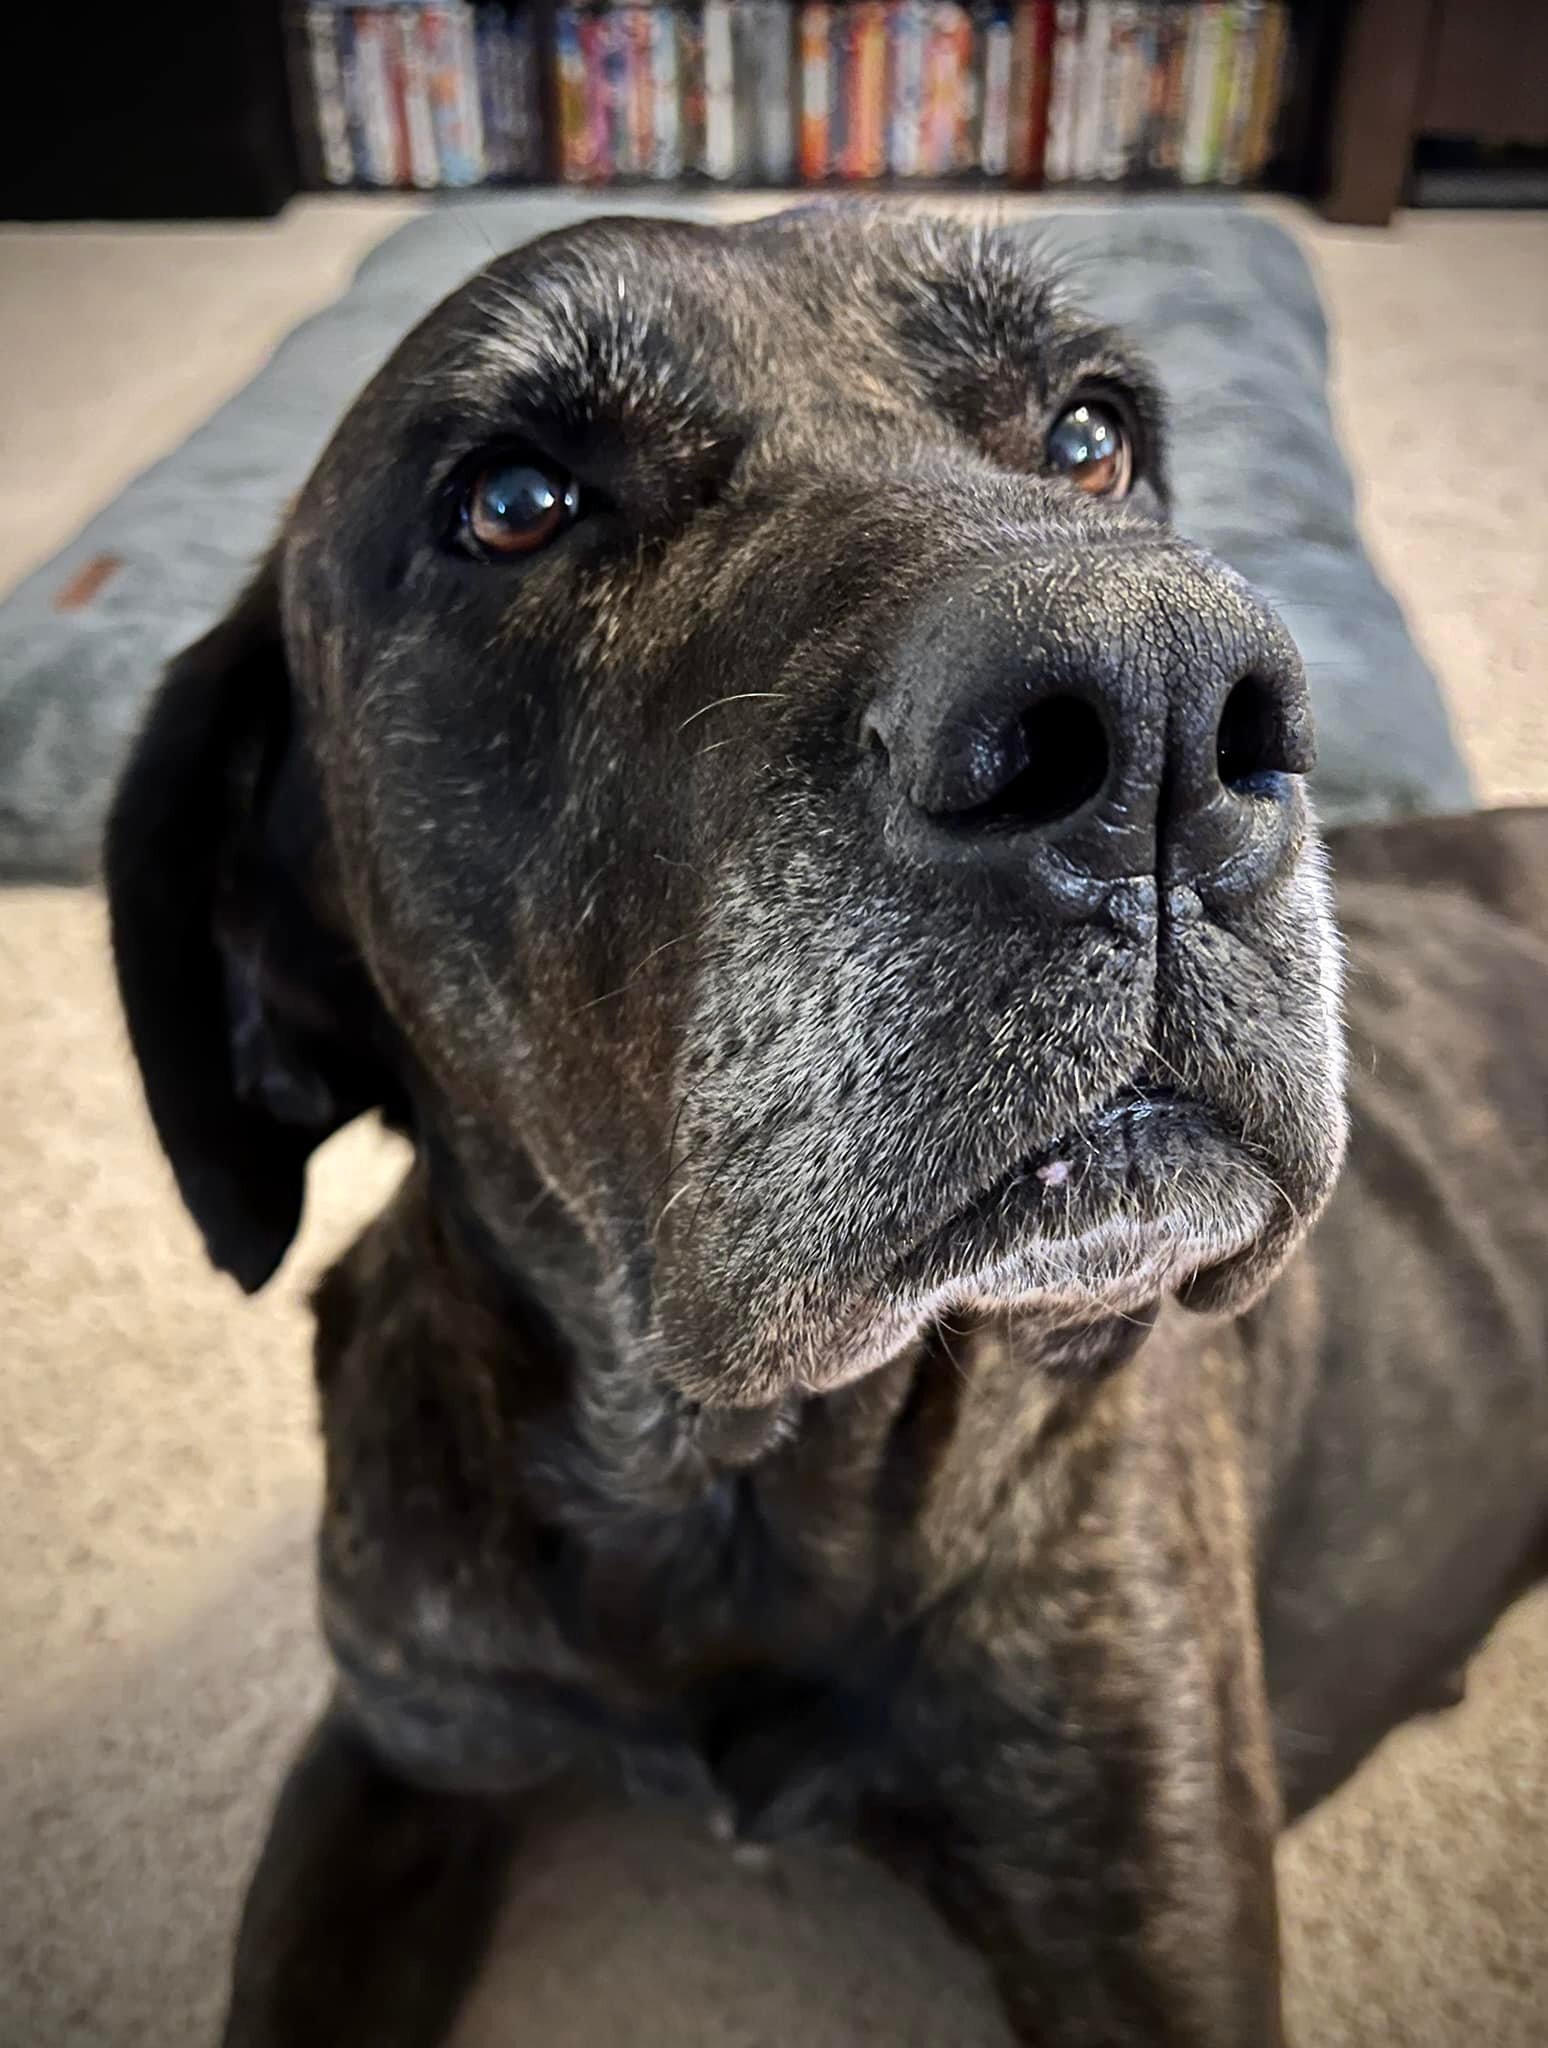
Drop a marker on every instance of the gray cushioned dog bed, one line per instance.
(1221, 300)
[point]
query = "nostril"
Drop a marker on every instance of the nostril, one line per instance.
(1253, 743)
(1060, 746)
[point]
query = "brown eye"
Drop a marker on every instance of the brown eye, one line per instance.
(1089, 446)
(515, 507)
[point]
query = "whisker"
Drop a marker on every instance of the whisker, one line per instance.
(1265, 1176)
(737, 697)
(715, 1178)
(669, 1204)
(956, 1363)
(638, 969)
(667, 862)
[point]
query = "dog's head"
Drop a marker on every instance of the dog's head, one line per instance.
(728, 750)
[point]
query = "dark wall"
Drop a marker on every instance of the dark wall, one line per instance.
(144, 109)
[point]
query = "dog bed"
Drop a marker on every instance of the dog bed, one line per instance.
(1219, 297)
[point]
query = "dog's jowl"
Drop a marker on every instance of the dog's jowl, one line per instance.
(729, 756)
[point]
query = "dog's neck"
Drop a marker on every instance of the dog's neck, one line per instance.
(632, 1441)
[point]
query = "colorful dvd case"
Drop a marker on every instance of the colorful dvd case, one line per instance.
(1220, 97)
(352, 69)
(906, 36)
(994, 125)
(965, 127)
(666, 148)
(748, 95)
(838, 89)
(526, 46)
(596, 41)
(381, 159)
(331, 123)
(465, 41)
(814, 30)
(574, 137)
(1091, 104)
(451, 87)
(642, 90)
(940, 95)
(766, 88)
(1269, 71)
(1136, 57)
(1195, 161)
(1018, 134)
(937, 93)
(494, 86)
(1148, 37)
(719, 92)
(508, 76)
(689, 23)
(1109, 149)
(846, 108)
(1031, 67)
(779, 145)
(611, 89)
(1063, 93)
(1163, 145)
(1122, 23)
(354, 111)
(1238, 116)
(617, 51)
(411, 97)
(397, 94)
(866, 81)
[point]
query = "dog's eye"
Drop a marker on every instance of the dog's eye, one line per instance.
(513, 507)
(1089, 446)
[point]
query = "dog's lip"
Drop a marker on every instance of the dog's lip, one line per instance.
(1132, 1112)
(1040, 1187)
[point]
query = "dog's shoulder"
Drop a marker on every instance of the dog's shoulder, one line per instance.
(1497, 861)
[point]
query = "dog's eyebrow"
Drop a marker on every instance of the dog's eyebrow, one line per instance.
(576, 347)
(968, 294)
(989, 319)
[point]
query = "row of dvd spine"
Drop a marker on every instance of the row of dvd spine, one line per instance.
(770, 92)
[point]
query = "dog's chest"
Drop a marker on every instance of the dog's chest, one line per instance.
(732, 1580)
(726, 1648)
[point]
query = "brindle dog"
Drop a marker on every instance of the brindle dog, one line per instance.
(728, 755)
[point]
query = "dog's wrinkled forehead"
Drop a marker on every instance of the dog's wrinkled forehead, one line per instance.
(699, 335)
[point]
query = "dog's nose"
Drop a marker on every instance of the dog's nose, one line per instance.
(1129, 712)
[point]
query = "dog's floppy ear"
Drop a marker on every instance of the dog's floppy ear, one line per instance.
(256, 1027)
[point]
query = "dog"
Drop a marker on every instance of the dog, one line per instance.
(729, 756)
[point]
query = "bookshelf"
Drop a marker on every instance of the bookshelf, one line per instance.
(1438, 102)
(1029, 94)
(196, 110)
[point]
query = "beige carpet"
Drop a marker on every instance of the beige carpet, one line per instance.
(157, 1471)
